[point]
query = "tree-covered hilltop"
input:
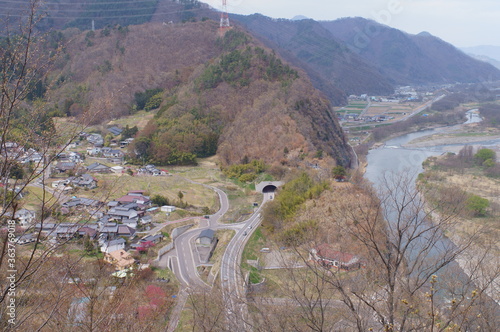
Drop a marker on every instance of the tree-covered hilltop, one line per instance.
(229, 96)
(246, 102)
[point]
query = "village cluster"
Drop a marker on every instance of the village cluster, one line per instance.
(112, 230)
(108, 226)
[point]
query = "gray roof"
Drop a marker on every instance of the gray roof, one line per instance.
(129, 213)
(125, 230)
(26, 237)
(104, 219)
(115, 130)
(129, 206)
(147, 219)
(97, 166)
(115, 242)
(45, 226)
(24, 212)
(109, 229)
(81, 201)
(85, 179)
(65, 229)
(152, 238)
(65, 165)
(207, 233)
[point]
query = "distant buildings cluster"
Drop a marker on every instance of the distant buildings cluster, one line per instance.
(14, 151)
(110, 230)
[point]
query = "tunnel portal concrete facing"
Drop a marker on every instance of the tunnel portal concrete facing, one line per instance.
(268, 186)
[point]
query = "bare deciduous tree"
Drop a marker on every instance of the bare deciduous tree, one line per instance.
(27, 130)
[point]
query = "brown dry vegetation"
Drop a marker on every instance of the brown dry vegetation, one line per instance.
(48, 302)
(259, 120)
(446, 182)
(145, 57)
(335, 211)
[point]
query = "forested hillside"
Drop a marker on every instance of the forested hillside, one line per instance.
(331, 65)
(230, 96)
(341, 57)
(58, 15)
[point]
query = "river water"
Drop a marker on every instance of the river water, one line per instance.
(396, 159)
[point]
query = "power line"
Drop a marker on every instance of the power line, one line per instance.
(45, 8)
(75, 3)
(54, 10)
(102, 17)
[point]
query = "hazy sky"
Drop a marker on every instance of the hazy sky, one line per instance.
(460, 22)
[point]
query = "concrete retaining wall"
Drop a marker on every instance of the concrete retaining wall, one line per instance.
(176, 232)
(180, 230)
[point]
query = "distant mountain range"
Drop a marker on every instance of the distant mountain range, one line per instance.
(342, 57)
(407, 59)
(486, 53)
(361, 56)
(328, 61)
(489, 51)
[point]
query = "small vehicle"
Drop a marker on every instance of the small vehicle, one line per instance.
(245, 233)
(250, 227)
(265, 250)
(206, 216)
(225, 278)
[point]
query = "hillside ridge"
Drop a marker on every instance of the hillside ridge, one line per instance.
(230, 96)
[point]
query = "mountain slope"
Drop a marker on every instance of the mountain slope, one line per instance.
(326, 60)
(58, 15)
(228, 96)
(409, 59)
(486, 59)
(485, 50)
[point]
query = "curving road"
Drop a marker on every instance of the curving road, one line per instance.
(183, 259)
(232, 279)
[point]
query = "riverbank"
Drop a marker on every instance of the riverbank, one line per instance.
(403, 155)
(465, 134)
(477, 231)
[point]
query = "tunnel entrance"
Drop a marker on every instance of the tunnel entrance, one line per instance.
(269, 189)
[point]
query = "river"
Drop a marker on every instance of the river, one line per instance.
(395, 158)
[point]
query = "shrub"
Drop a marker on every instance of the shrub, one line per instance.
(489, 163)
(142, 98)
(160, 200)
(249, 177)
(477, 205)
(484, 154)
(154, 102)
(339, 172)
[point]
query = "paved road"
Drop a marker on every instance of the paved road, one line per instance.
(232, 280)
(183, 260)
